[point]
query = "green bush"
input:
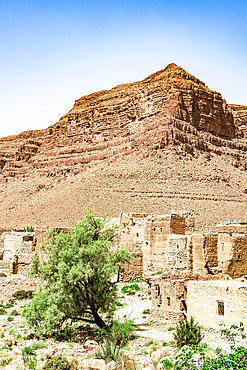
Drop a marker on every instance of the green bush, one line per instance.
(29, 229)
(119, 304)
(57, 363)
(132, 288)
(39, 344)
(138, 280)
(235, 360)
(29, 357)
(14, 312)
(108, 350)
(187, 332)
(2, 274)
(145, 312)
(3, 311)
(23, 294)
(167, 364)
(10, 318)
(121, 331)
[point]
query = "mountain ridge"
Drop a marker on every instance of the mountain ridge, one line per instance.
(170, 118)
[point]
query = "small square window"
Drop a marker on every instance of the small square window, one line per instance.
(221, 308)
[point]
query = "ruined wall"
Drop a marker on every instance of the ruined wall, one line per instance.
(225, 248)
(214, 302)
(168, 298)
(155, 247)
(159, 230)
(237, 265)
(17, 250)
(178, 258)
(130, 237)
(197, 241)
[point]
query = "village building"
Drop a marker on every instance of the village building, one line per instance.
(187, 270)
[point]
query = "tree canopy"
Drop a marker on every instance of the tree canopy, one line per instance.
(78, 268)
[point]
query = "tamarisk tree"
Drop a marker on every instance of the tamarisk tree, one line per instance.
(77, 268)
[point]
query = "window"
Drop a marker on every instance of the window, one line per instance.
(137, 234)
(221, 308)
(222, 247)
(168, 301)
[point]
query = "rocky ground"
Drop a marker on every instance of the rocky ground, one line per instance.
(210, 187)
(153, 343)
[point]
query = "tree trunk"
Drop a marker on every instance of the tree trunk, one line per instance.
(98, 320)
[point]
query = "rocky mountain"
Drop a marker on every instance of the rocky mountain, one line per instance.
(165, 143)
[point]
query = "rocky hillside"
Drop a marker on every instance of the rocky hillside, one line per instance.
(161, 144)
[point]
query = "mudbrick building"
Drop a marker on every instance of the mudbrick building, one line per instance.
(193, 274)
(189, 273)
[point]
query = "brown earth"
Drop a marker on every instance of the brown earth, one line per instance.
(166, 143)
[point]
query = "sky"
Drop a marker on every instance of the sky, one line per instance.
(53, 52)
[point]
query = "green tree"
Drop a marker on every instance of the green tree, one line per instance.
(78, 268)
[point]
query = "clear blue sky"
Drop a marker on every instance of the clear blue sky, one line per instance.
(54, 52)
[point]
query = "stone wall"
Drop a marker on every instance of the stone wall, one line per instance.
(211, 249)
(237, 264)
(178, 258)
(131, 236)
(169, 297)
(214, 302)
(16, 251)
(198, 259)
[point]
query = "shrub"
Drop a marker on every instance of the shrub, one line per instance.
(10, 318)
(14, 313)
(147, 311)
(120, 331)
(170, 328)
(167, 364)
(29, 357)
(23, 294)
(2, 311)
(39, 344)
(138, 280)
(108, 350)
(132, 288)
(187, 332)
(149, 342)
(235, 360)
(2, 274)
(57, 363)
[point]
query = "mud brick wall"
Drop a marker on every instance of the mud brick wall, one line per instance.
(197, 241)
(225, 248)
(169, 295)
(206, 298)
(167, 316)
(211, 249)
(237, 266)
(177, 224)
(130, 237)
(155, 246)
(178, 258)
